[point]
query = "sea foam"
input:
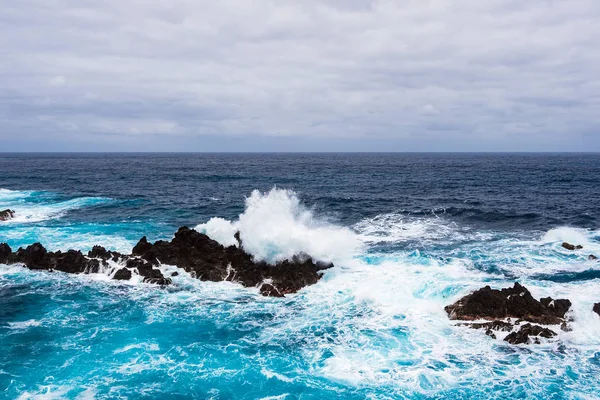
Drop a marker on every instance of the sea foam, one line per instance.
(276, 226)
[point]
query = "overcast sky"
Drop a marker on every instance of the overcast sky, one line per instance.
(309, 75)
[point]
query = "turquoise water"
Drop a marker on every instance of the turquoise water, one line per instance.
(373, 327)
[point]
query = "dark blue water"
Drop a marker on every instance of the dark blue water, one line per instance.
(409, 233)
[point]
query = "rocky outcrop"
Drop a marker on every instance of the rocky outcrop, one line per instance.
(570, 246)
(502, 306)
(6, 215)
(596, 308)
(515, 302)
(592, 257)
(208, 260)
(5, 252)
(190, 250)
(527, 332)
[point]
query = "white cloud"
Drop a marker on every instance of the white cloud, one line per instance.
(458, 69)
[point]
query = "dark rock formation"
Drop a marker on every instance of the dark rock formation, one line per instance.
(592, 257)
(5, 252)
(505, 304)
(522, 335)
(570, 246)
(515, 302)
(208, 260)
(103, 254)
(596, 308)
(6, 215)
(122, 275)
(190, 250)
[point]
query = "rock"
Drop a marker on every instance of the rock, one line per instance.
(269, 290)
(72, 262)
(522, 336)
(208, 260)
(103, 254)
(596, 308)
(142, 247)
(570, 246)
(5, 252)
(558, 307)
(190, 250)
(592, 257)
(122, 275)
(6, 215)
(34, 256)
(515, 302)
(93, 267)
(175, 273)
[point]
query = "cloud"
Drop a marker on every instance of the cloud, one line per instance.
(493, 74)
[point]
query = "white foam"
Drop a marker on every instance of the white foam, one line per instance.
(23, 325)
(398, 228)
(221, 230)
(27, 212)
(574, 236)
(276, 226)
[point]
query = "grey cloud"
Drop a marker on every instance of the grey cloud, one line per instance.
(425, 75)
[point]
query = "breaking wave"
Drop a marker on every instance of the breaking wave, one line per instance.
(276, 226)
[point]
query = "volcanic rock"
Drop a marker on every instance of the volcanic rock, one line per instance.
(6, 215)
(208, 260)
(5, 252)
(515, 302)
(592, 257)
(522, 336)
(190, 250)
(596, 308)
(122, 275)
(103, 254)
(570, 246)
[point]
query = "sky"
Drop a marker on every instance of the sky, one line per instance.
(310, 75)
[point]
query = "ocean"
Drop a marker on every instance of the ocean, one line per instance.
(408, 234)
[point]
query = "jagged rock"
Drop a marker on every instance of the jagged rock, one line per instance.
(190, 250)
(122, 275)
(522, 336)
(515, 302)
(175, 273)
(5, 252)
(558, 307)
(142, 246)
(34, 256)
(93, 267)
(592, 257)
(570, 246)
(72, 262)
(492, 326)
(208, 260)
(6, 215)
(270, 290)
(103, 254)
(596, 308)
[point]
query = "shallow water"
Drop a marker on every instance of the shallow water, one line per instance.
(408, 234)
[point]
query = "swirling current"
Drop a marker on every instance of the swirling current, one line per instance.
(408, 234)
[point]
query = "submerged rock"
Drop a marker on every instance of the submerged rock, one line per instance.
(570, 246)
(6, 215)
(500, 306)
(196, 253)
(523, 335)
(596, 308)
(592, 257)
